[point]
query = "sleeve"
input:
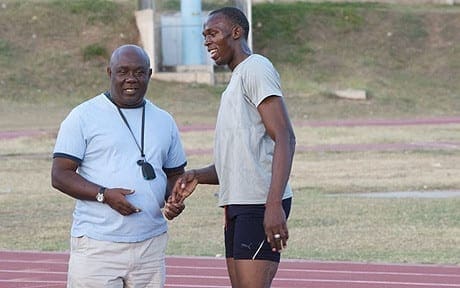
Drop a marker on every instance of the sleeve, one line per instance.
(176, 154)
(261, 80)
(70, 141)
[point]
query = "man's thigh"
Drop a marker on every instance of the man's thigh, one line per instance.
(150, 270)
(95, 264)
(116, 265)
(251, 273)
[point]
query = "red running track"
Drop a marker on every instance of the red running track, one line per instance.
(28, 269)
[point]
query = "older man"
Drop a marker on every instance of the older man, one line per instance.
(117, 154)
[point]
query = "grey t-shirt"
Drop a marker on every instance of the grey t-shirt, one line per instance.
(243, 151)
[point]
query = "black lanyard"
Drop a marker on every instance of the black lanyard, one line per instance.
(147, 169)
(141, 147)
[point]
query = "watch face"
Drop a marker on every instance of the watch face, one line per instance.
(100, 197)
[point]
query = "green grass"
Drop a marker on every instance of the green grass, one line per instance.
(94, 51)
(49, 39)
(404, 58)
(379, 229)
(53, 55)
(336, 228)
(326, 222)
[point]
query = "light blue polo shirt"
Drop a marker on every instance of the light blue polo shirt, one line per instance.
(95, 135)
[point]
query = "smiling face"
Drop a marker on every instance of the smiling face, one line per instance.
(129, 74)
(218, 38)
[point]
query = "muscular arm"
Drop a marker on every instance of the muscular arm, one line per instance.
(186, 183)
(206, 175)
(276, 120)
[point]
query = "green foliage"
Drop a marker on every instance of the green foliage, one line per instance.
(412, 26)
(44, 44)
(5, 49)
(206, 5)
(94, 51)
(283, 21)
(288, 26)
(7, 55)
(95, 10)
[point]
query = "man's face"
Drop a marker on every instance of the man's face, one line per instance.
(217, 33)
(129, 76)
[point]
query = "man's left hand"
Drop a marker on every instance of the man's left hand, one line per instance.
(173, 209)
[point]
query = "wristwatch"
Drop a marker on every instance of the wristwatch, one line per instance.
(100, 195)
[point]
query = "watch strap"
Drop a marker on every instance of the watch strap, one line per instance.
(102, 190)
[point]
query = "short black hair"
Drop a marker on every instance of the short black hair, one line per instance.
(236, 16)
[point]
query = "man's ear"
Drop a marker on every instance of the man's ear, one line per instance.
(109, 71)
(237, 32)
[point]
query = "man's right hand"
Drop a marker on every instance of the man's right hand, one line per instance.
(116, 198)
(184, 186)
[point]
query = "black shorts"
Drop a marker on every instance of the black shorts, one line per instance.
(245, 235)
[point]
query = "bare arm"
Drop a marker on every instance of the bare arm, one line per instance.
(276, 120)
(184, 185)
(206, 175)
(65, 178)
(187, 183)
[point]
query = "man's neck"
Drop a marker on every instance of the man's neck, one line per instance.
(122, 105)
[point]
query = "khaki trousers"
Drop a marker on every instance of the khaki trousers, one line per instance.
(98, 264)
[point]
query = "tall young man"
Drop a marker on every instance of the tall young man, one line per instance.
(253, 154)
